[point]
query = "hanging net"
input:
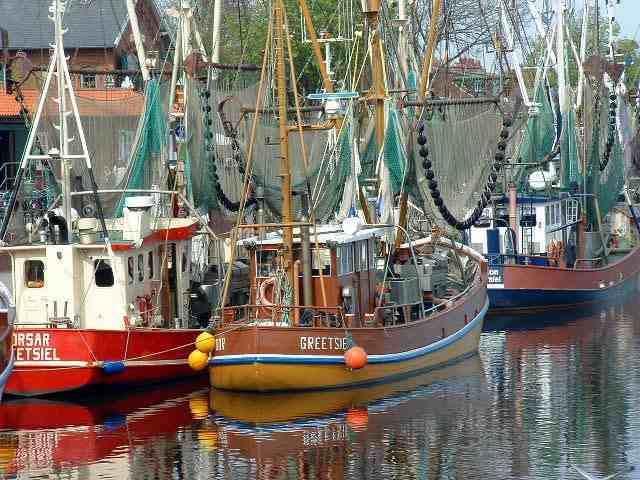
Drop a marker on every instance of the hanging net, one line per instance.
(461, 140)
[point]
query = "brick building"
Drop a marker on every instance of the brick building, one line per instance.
(98, 40)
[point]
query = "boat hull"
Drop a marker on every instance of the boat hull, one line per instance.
(530, 288)
(279, 359)
(49, 361)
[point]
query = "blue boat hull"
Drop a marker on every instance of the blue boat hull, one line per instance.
(520, 300)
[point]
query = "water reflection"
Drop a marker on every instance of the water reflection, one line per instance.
(546, 393)
(98, 437)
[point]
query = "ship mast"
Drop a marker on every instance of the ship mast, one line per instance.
(285, 166)
(62, 113)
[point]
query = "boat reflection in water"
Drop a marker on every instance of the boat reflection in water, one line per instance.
(103, 436)
(336, 434)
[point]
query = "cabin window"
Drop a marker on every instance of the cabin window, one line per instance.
(267, 263)
(345, 260)
(103, 273)
(130, 270)
(364, 266)
(140, 268)
(572, 211)
(371, 247)
(150, 264)
(321, 258)
(34, 273)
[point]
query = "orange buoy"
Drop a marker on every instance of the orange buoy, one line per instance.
(358, 418)
(198, 360)
(206, 342)
(355, 358)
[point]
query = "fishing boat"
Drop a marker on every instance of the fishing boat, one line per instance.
(99, 301)
(564, 230)
(340, 304)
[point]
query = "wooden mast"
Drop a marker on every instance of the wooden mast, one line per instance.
(285, 166)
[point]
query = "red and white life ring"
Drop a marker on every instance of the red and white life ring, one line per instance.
(263, 296)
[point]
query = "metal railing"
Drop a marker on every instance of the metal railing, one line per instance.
(285, 316)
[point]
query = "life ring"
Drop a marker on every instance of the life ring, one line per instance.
(262, 292)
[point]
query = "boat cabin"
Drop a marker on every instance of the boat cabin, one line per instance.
(69, 280)
(345, 262)
(541, 223)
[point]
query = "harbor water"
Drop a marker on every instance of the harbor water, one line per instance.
(547, 396)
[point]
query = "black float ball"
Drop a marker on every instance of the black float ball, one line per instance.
(435, 194)
(433, 185)
(426, 164)
(422, 140)
(430, 174)
(504, 133)
(502, 146)
(421, 128)
(438, 201)
(424, 152)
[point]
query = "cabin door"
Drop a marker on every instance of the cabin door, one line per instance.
(103, 304)
(32, 285)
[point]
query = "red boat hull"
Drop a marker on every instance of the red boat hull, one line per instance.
(528, 288)
(58, 360)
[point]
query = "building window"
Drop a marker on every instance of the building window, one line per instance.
(109, 81)
(34, 273)
(88, 80)
(321, 258)
(140, 268)
(150, 264)
(103, 273)
(130, 270)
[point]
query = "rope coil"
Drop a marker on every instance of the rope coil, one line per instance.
(499, 159)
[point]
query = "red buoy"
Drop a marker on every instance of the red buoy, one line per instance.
(355, 358)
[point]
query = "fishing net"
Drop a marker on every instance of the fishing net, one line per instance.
(606, 184)
(462, 141)
(536, 140)
(111, 122)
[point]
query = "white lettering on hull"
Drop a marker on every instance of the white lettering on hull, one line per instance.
(323, 343)
(34, 346)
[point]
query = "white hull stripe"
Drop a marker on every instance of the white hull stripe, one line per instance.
(339, 359)
(84, 364)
